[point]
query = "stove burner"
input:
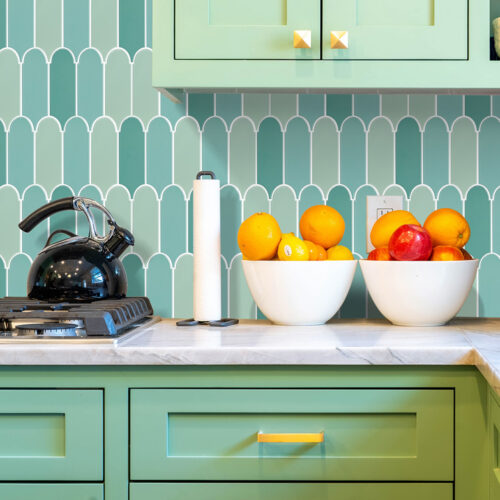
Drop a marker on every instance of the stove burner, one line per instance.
(52, 329)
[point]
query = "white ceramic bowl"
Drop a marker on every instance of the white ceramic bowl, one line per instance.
(299, 293)
(425, 293)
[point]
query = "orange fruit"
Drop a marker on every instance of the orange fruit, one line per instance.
(446, 252)
(466, 254)
(321, 253)
(339, 252)
(292, 248)
(259, 237)
(447, 227)
(313, 250)
(322, 225)
(386, 225)
(381, 253)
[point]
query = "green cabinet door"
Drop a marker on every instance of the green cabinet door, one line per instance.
(292, 491)
(216, 434)
(494, 438)
(397, 29)
(243, 29)
(51, 435)
(35, 491)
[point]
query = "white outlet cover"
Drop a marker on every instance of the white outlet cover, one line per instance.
(376, 206)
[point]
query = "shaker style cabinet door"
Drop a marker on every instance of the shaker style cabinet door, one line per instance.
(395, 29)
(41, 491)
(243, 29)
(494, 438)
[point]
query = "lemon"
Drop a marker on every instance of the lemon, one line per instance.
(339, 252)
(292, 248)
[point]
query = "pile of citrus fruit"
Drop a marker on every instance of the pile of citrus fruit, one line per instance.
(321, 227)
(399, 236)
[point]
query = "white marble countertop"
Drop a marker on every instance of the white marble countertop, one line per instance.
(341, 342)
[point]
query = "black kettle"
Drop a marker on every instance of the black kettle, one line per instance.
(78, 269)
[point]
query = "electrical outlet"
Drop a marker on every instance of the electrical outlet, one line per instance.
(376, 206)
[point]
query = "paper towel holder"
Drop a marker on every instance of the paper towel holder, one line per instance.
(220, 322)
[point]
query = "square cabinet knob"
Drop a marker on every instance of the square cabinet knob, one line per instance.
(302, 39)
(339, 39)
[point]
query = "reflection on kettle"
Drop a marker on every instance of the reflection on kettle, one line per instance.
(78, 268)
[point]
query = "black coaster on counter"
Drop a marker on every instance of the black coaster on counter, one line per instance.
(220, 322)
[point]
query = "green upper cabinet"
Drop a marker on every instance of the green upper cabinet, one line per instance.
(242, 29)
(395, 29)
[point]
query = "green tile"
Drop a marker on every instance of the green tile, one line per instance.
(297, 154)
(309, 197)
(495, 105)
(477, 107)
(159, 172)
(230, 220)
(366, 107)
(353, 154)
(49, 25)
(63, 220)
(34, 86)
(463, 154)
(118, 86)
(359, 224)
(355, 302)
(242, 157)
(17, 275)
(48, 160)
(214, 148)
(256, 200)
(200, 107)
(256, 106)
(380, 145)
(340, 199)
(408, 154)
(435, 161)
(450, 197)
(396, 190)
(135, 275)
(173, 224)
(187, 157)
(32, 242)
(489, 286)
(146, 224)
(118, 202)
(495, 222)
(9, 87)
(20, 154)
(183, 287)
(469, 309)
(131, 25)
(325, 154)
(312, 107)
(283, 107)
(477, 213)
(103, 154)
(228, 106)
(103, 25)
(450, 107)
(3, 154)
(394, 107)
(241, 304)
(270, 154)
(284, 209)
(149, 23)
(131, 154)
(173, 111)
(76, 25)
(422, 107)
(62, 86)
(145, 98)
(90, 86)
(422, 203)
(10, 241)
(339, 107)
(489, 154)
(159, 277)
(76, 153)
(20, 22)
(3, 24)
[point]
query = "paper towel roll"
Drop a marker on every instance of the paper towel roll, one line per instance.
(206, 250)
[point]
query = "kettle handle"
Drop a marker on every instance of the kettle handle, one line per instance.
(42, 213)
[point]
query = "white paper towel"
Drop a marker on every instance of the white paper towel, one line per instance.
(206, 250)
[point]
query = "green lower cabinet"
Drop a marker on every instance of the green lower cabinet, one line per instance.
(291, 491)
(51, 491)
(494, 438)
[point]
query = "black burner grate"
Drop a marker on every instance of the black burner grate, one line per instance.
(101, 317)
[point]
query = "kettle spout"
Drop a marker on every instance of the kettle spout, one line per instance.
(120, 240)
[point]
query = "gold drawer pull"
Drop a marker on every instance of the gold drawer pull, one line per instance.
(302, 39)
(311, 437)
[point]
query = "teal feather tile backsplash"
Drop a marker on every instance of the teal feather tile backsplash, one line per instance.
(78, 115)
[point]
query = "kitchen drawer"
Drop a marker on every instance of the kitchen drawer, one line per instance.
(35, 491)
(51, 435)
(494, 437)
(292, 491)
(369, 434)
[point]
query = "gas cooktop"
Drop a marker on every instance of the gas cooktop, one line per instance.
(23, 319)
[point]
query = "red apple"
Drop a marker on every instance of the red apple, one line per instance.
(410, 242)
(381, 253)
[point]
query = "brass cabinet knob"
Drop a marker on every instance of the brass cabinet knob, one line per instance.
(302, 39)
(339, 39)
